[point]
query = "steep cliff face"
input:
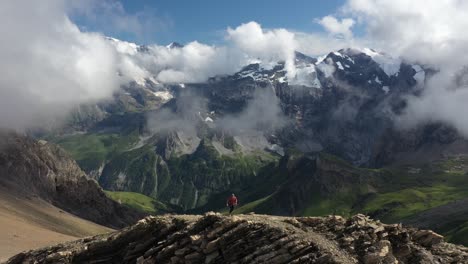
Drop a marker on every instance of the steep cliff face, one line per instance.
(255, 239)
(38, 169)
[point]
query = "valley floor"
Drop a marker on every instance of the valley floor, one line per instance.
(27, 223)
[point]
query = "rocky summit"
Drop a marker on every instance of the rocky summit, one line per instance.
(214, 238)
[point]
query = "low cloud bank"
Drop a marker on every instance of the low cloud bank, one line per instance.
(430, 33)
(262, 113)
(48, 65)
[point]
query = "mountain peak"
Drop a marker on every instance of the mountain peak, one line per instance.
(175, 45)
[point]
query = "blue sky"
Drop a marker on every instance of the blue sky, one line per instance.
(205, 20)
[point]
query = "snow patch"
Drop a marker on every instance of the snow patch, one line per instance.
(377, 80)
(338, 54)
(339, 65)
(321, 59)
(420, 75)
(306, 76)
(276, 149)
(386, 89)
(164, 95)
(389, 65)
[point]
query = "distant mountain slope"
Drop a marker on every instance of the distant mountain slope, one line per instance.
(40, 170)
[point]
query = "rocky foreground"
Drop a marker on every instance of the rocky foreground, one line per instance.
(214, 238)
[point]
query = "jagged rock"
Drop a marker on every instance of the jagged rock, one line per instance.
(427, 238)
(214, 238)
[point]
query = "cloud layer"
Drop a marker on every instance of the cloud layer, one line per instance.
(196, 62)
(431, 33)
(48, 65)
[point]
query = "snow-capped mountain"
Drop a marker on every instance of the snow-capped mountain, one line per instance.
(184, 143)
(343, 102)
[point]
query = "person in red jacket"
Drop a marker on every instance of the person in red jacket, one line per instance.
(231, 203)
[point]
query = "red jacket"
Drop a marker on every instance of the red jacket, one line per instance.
(232, 201)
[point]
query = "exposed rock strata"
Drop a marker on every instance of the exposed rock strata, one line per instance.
(255, 239)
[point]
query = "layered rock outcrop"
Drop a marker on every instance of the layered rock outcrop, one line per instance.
(214, 238)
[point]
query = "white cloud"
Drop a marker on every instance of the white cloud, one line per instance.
(428, 32)
(339, 28)
(196, 62)
(269, 45)
(316, 44)
(48, 65)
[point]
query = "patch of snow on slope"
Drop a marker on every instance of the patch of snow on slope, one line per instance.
(386, 89)
(377, 80)
(339, 65)
(307, 76)
(389, 65)
(420, 75)
(338, 54)
(164, 95)
(256, 75)
(321, 59)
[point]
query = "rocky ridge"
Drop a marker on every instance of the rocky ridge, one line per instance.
(214, 238)
(30, 168)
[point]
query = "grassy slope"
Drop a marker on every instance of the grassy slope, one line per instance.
(458, 234)
(392, 194)
(92, 149)
(205, 167)
(139, 201)
(413, 190)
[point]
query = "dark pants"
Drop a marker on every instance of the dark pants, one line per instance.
(231, 208)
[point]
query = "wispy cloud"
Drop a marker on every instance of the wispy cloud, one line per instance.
(336, 27)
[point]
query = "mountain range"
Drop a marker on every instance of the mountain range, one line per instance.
(319, 139)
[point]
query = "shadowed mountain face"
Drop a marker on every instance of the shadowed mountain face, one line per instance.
(255, 239)
(32, 169)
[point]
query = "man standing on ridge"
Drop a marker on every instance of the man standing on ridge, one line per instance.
(231, 203)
